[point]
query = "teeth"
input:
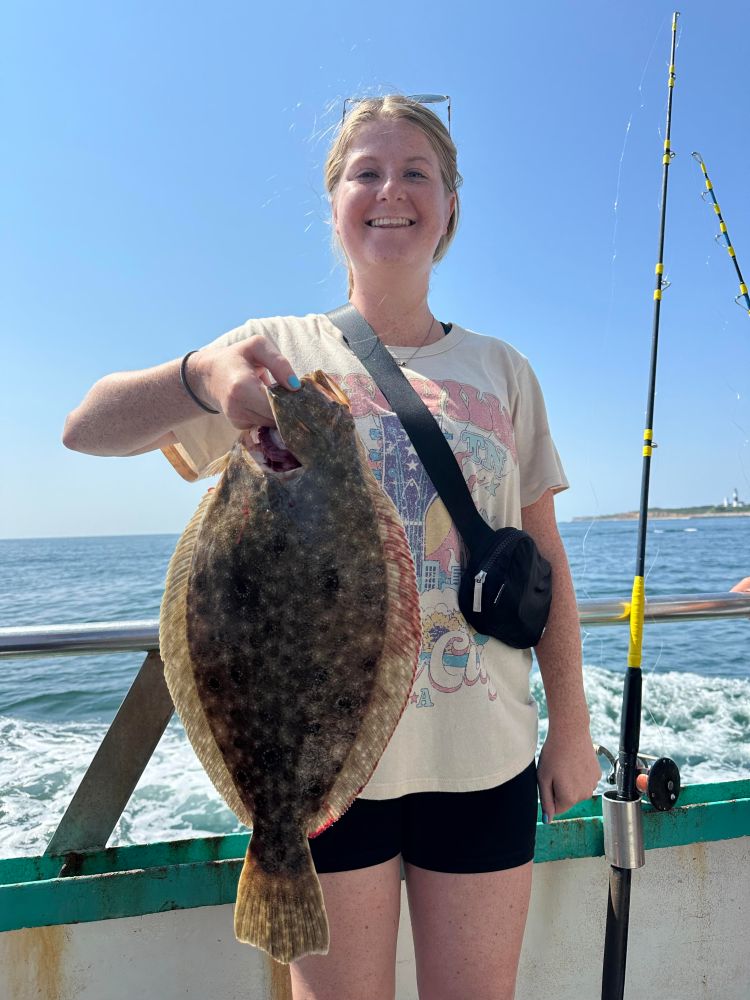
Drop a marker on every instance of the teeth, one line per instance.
(389, 222)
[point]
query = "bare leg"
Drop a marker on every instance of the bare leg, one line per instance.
(468, 931)
(363, 910)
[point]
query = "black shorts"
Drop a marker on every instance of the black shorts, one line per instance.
(457, 832)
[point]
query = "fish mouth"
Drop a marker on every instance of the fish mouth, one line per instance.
(266, 446)
(267, 449)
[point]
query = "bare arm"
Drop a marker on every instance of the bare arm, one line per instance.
(568, 768)
(129, 413)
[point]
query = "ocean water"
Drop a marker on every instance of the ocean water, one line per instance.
(54, 711)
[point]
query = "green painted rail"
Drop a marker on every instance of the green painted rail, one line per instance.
(184, 874)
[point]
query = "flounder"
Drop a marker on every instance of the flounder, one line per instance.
(290, 632)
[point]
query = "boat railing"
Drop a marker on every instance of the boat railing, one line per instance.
(134, 734)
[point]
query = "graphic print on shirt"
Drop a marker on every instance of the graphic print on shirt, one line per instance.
(479, 431)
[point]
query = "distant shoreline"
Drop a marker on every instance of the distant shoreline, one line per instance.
(665, 515)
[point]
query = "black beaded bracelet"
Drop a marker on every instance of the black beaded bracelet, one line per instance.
(186, 387)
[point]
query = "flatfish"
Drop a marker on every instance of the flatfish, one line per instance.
(290, 633)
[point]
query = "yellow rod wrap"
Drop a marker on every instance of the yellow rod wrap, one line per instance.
(657, 294)
(723, 227)
(709, 185)
(717, 210)
(665, 161)
(666, 143)
(647, 451)
(659, 269)
(730, 251)
(648, 434)
(637, 614)
(743, 289)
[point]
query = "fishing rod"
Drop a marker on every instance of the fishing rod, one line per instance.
(621, 809)
(723, 233)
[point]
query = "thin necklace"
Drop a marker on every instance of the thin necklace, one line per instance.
(411, 357)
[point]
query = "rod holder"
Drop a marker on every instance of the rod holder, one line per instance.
(623, 831)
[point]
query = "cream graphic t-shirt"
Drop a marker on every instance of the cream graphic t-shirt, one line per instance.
(470, 721)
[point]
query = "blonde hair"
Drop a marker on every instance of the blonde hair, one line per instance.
(395, 107)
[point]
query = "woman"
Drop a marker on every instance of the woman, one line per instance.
(455, 793)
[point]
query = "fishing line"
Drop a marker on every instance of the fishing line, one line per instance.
(619, 170)
(584, 555)
(627, 130)
(613, 259)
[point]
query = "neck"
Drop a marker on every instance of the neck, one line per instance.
(398, 313)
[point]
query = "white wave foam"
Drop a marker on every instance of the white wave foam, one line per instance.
(42, 764)
(702, 723)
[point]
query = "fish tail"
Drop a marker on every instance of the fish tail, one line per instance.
(281, 913)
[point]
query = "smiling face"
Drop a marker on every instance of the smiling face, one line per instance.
(391, 207)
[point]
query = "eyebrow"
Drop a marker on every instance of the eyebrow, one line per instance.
(371, 156)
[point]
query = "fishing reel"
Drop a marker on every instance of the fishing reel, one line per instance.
(658, 778)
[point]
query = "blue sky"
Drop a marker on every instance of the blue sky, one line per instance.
(162, 182)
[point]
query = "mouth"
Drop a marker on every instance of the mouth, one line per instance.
(266, 447)
(390, 222)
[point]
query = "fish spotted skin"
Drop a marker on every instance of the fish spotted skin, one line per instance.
(294, 625)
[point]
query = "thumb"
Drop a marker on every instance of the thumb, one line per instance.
(546, 800)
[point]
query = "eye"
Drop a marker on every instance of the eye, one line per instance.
(416, 173)
(365, 175)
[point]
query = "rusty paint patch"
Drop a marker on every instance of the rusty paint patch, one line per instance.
(35, 964)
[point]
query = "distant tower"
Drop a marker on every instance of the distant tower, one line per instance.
(726, 502)
(735, 498)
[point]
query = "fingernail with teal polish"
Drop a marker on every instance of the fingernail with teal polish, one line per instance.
(545, 818)
(294, 382)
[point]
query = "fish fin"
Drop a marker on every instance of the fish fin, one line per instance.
(331, 388)
(282, 914)
(217, 466)
(398, 661)
(178, 667)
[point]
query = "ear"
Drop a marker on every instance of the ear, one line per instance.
(451, 210)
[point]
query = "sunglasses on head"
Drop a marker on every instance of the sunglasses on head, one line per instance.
(417, 98)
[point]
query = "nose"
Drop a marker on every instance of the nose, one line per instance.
(391, 188)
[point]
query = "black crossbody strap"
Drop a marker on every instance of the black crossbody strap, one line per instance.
(422, 428)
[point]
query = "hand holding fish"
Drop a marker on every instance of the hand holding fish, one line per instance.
(128, 413)
(233, 379)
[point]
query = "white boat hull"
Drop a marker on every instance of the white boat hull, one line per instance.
(689, 940)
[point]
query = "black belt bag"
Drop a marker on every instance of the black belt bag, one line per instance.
(506, 588)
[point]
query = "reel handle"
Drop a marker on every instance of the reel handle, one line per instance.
(660, 783)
